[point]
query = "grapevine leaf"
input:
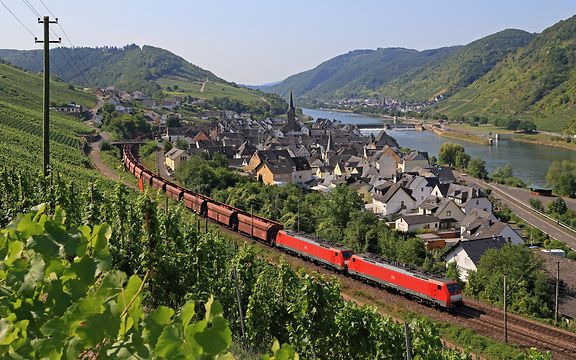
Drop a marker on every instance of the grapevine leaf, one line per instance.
(111, 284)
(14, 252)
(129, 300)
(43, 245)
(170, 341)
(215, 339)
(100, 326)
(28, 227)
(35, 274)
(100, 236)
(155, 323)
(186, 313)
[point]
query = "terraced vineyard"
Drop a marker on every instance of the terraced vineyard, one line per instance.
(21, 125)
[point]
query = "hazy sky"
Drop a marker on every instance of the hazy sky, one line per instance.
(260, 41)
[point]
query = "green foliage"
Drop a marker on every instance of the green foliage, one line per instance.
(21, 125)
(206, 176)
(477, 168)
(127, 126)
(453, 155)
(357, 72)
(181, 144)
(557, 207)
(505, 175)
(561, 177)
(130, 68)
(148, 148)
(534, 82)
(536, 204)
(526, 278)
(61, 297)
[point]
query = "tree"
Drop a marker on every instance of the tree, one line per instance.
(525, 275)
(558, 206)
(172, 121)
(453, 155)
(181, 144)
(561, 177)
(477, 168)
(536, 204)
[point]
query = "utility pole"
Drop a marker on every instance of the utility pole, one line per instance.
(46, 127)
(298, 217)
(505, 313)
(557, 290)
(408, 340)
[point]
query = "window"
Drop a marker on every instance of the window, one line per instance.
(448, 213)
(439, 287)
(477, 202)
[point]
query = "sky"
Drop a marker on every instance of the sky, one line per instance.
(262, 41)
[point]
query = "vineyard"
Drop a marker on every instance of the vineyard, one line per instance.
(164, 263)
(21, 125)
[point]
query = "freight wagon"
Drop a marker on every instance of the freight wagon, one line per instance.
(196, 202)
(223, 214)
(258, 227)
(314, 249)
(443, 292)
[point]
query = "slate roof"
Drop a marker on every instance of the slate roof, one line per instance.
(477, 248)
(419, 219)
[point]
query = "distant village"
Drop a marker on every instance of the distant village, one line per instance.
(401, 187)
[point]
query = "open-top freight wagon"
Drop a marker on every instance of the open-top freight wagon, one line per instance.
(258, 227)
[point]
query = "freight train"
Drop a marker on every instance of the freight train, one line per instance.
(366, 267)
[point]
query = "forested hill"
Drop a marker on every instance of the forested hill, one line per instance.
(357, 72)
(537, 81)
(129, 68)
(457, 70)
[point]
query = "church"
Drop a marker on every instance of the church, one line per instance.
(293, 126)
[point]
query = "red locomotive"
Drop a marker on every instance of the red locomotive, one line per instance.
(442, 292)
(313, 249)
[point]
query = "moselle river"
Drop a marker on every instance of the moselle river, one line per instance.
(529, 161)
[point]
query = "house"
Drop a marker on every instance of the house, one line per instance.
(488, 228)
(323, 171)
(175, 158)
(396, 200)
(413, 160)
(417, 222)
(446, 210)
(71, 108)
(277, 166)
(467, 254)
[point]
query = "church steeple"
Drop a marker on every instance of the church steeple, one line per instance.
(291, 125)
(291, 107)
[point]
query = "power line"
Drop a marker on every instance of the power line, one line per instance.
(71, 53)
(31, 8)
(17, 18)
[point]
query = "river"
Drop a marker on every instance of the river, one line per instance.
(529, 161)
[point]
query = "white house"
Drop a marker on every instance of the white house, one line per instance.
(467, 254)
(417, 222)
(491, 228)
(396, 200)
(412, 160)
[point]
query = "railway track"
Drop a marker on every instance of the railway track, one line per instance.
(480, 318)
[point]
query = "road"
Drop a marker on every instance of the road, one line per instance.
(97, 161)
(160, 164)
(518, 201)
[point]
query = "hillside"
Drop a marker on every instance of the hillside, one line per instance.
(358, 72)
(21, 124)
(535, 82)
(457, 70)
(129, 68)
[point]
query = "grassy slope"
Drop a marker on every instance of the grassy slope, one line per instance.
(457, 70)
(536, 82)
(211, 90)
(21, 125)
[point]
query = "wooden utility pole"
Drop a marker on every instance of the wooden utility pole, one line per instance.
(408, 339)
(557, 291)
(505, 313)
(46, 127)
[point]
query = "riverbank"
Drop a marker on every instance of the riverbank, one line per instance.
(477, 139)
(546, 140)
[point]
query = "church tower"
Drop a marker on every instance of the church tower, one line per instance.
(291, 125)
(291, 109)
